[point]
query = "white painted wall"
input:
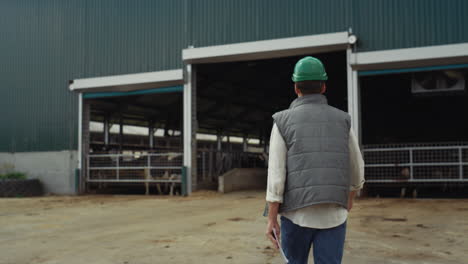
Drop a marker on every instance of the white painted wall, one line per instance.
(55, 169)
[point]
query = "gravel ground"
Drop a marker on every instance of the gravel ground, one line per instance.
(212, 228)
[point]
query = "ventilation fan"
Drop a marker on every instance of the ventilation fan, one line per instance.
(438, 81)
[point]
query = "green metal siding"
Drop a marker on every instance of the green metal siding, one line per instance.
(37, 111)
(382, 24)
(122, 36)
(214, 22)
(379, 24)
(45, 43)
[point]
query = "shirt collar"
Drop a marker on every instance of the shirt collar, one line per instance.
(309, 99)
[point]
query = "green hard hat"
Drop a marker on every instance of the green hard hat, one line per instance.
(309, 69)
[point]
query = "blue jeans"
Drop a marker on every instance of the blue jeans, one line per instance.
(296, 242)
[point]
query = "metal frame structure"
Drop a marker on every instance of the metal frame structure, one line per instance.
(436, 156)
(410, 57)
(132, 83)
(118, 167)
(353, 93)
(80, 131)
(128, 82)
(255, 50)
(267, 49)
(189, 139)
(275, 48)
(410, 60)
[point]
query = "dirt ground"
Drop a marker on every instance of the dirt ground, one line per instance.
(212, 228)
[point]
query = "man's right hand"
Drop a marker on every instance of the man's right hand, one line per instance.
(273, 224)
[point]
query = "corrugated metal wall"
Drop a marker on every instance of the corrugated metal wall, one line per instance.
(216, 22)
(123, 36)
(36, 60)
(379, 24)
(382, 24)
(45, 43)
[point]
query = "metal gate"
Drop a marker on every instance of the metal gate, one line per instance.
(136, 167)
(416, 163)
(213, 163)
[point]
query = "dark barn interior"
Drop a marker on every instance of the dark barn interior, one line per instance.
(160, 111)
(123, 162)
(415, 133)
(392, 113)
(237, 99)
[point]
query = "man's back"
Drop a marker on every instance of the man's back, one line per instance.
(316, 136)
(315, 168)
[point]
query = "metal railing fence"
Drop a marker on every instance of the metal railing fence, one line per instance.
(135, 167)
(213, 163)
(437, 163)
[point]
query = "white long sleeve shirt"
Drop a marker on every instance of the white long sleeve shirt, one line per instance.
(316, 216)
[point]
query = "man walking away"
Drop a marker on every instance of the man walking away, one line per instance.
(315, 169)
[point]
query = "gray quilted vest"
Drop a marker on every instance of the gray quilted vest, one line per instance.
(316, 137)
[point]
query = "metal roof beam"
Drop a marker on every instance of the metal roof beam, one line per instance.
(265, 49)
(410, 57)
(128, 82)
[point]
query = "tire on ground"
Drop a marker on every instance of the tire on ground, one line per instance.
(20, 188)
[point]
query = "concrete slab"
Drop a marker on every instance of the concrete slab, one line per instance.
(243, 179)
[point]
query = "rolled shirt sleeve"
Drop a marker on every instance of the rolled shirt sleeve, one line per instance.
(276, 167)
(356, 163)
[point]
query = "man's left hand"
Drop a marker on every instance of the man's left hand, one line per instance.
(273, 224)
(350, 204)
(351, 200)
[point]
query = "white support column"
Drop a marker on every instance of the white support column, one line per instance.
(106, 131)
(80, 130)
(353, 96)
(219, 139)
(356, 123)
(84, 143)
(187, 116)
(151, 135)
(121, 133)
(244, 144)
(349, 79)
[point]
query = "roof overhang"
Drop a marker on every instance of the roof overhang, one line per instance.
(410, 57)
(128, 82)
(266, 49)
